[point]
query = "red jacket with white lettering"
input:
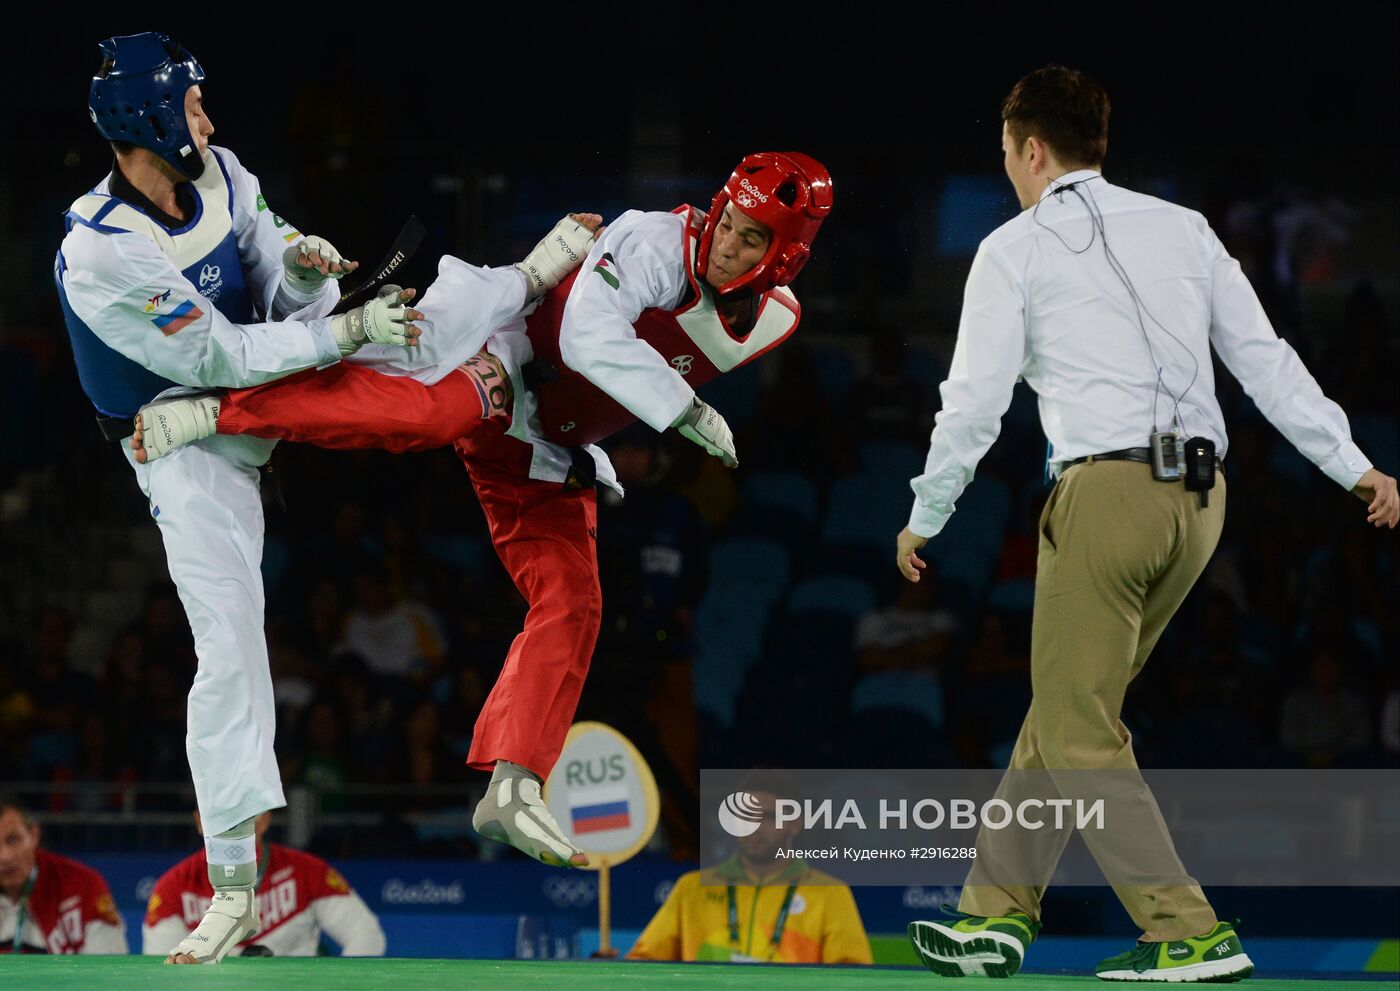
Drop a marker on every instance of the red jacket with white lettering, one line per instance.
(299, 897)
(69, 910)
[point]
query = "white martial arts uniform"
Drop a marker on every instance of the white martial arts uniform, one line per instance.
(155, 310)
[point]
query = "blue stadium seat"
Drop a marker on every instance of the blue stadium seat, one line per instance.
(867, 508)
(736, 393)
(871, 563)
(925, 366)
(1013, 596)
(786, 490)
(966, 551)
(892, 457)
(758, 565)
(894, 738)
(1285, 461)
(915, 691)
(833, 369)
(833, 593)
(734, 623)
(717, 682)
(1378, 436)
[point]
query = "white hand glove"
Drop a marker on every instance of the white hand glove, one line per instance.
(560, 252)
(702, 424)
(305, 278)
(380, 321)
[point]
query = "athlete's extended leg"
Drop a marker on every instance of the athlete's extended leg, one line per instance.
(345, 407)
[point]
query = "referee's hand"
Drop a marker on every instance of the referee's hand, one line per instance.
(1377, 489)
(909, 563)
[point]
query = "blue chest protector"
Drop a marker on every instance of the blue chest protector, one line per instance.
(206, 252)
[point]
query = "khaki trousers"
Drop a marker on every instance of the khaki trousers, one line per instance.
(1119, 551)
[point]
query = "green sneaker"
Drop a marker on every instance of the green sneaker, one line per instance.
(974, 946)
(1216, 957)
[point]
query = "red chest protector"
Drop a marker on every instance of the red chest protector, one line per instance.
(694, 339)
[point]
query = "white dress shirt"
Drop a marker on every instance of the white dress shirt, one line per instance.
(1043, 303)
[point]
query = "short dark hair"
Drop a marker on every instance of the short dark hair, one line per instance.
(1065, 109)
(8, 802)
(122, 147)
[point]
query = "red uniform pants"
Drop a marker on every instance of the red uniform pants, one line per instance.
(544, 534)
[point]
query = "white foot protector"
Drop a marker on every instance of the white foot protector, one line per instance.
(232, 918)
(168, 423)
(560, 252)
(512, 812)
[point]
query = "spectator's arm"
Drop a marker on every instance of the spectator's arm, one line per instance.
(661, 939)
(104, 931)
(346, 919)
(101, 936)
(159, 938)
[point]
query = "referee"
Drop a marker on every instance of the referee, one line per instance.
(1107, 302)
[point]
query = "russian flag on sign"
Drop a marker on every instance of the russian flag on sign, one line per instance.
(597, 809)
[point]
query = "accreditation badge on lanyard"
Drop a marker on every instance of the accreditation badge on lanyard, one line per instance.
(19, 945)
(734, 955)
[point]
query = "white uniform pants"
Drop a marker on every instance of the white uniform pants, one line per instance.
(205, 499)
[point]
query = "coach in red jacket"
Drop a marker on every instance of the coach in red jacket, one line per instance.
(48, 903)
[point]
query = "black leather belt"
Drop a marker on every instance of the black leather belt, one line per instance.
(1142, 455)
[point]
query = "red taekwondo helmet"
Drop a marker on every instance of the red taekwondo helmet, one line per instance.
(786, 191)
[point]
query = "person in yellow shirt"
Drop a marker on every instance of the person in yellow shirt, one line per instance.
(764, 909)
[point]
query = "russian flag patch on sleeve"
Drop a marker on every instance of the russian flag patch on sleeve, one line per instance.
(184, 314)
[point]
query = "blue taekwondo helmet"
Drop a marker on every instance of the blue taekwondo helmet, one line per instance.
(138, 96)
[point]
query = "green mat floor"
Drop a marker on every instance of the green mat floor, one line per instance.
(39, 973)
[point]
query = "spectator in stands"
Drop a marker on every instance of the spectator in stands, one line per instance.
(766, 909)
(399, 640)
(56, 690)
(423, 756)
(1323, 719)
(796, 436)
(48, 903)
(319, 763)
(366, 715)
(300, 896)
(900, 651)
(916, 633)
(16, 713)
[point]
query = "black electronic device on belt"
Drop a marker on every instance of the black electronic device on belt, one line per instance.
(1200, 467)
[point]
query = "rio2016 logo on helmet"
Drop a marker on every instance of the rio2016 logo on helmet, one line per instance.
(790, 194)
(138, 96)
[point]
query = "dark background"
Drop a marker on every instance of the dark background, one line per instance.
(1281, 129)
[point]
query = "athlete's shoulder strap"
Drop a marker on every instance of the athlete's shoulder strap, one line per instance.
(106, 214)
